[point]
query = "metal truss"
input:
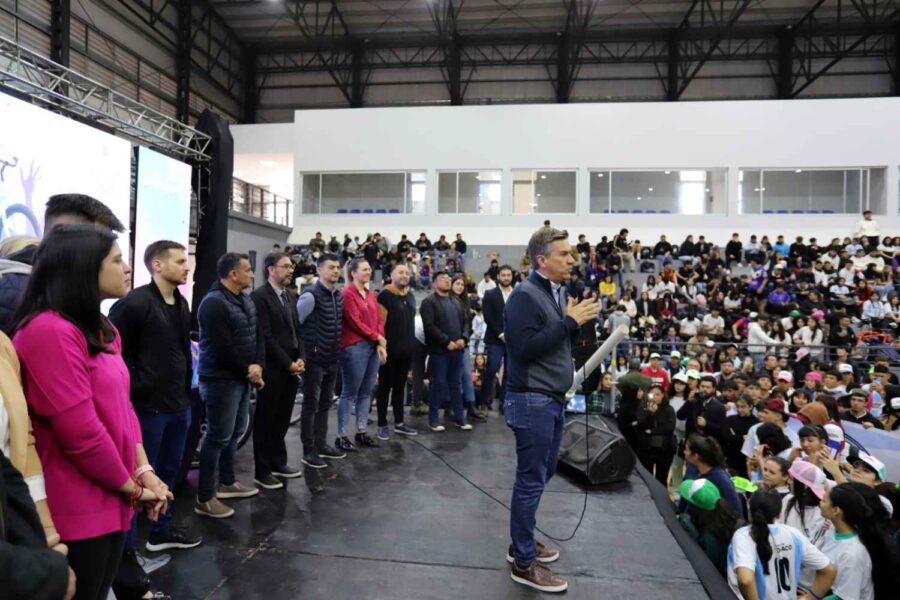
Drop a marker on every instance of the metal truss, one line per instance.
(858, 27)
(46, 83)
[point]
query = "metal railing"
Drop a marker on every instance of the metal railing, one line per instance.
(258, 202)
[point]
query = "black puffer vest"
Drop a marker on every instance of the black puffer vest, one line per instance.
(321, 332)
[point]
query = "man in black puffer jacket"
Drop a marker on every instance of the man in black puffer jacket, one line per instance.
(232, 355)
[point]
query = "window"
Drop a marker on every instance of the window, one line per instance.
(364, 193)
(693, 192)
(470, 192)
(543, 192)
(806, 191)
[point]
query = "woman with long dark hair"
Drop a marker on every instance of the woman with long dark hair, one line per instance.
(458, 289)
(800, 508)
(706, 460)
(77, 388)
(761, 567)
(656, 433)
(866, 557)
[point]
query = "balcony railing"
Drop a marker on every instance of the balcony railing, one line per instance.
(258, 202)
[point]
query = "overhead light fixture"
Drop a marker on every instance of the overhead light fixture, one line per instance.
(538, 195)
(599, 174)
(763, 189)
(268, 163)
(668, 172)
(707, 189)
(755, 189)
(798, 171)
(543, 177)
(638, 197)
(649, 189)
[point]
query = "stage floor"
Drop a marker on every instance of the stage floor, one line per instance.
(395, 522)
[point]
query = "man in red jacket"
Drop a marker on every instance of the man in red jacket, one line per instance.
(656, 373)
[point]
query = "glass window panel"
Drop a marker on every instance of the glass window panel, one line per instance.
(363, 191)
(311, 184)
(828, 191)
(671, 191)
(447, 192)
(749, 192)
(469, 186)
(600, 191)
(543, 192)
(786, 190)
(415, 192)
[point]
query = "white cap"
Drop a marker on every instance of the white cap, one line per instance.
(845, 368)
(895, 403)
(693, 374)
(785, 376)
(655, 355)
(680, 377)
(710, 344)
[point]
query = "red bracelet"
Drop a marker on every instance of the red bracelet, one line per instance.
(136, 494)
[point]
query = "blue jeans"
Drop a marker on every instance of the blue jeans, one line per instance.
(359, 368)
(537, 421)
(496, 356)
(444, 371)
(227, 416)
(164, 435)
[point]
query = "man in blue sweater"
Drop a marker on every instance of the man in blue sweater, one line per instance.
(540, 325)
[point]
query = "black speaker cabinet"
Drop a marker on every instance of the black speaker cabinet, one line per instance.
(598, 450)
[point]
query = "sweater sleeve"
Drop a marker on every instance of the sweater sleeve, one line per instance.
(60, 391)
(527, 337)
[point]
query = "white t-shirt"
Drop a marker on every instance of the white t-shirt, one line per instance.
(816, 528)
(854, 567)
(790, 552)
(751, 441)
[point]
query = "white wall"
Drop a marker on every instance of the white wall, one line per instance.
(682, 135)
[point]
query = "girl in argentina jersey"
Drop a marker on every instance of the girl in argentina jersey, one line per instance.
(764, 559)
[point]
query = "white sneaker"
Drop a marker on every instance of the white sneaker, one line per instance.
(464, 426)
(437, 428)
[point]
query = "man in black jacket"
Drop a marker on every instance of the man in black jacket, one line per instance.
(28, 569)
(154, 321)
(704, 413)
(493, 305)
(232, 356)
(444, 322)
(61, 209)
(280, 330)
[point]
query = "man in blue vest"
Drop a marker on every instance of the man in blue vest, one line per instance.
(541, 323)
(231, 360)
(320, 309)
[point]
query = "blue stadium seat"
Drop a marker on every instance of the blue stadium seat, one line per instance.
(767, 211)
(827, 211)
(637, 211)
(368, 211)
(813, 211)
(355, 211)
(622, 210)
(380, 211)
(782, 211)
(650, 212)
(797, 211)
(342, 211)
(394, 211)
(665, 212)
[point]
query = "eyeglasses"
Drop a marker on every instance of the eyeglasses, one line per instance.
(284, 266)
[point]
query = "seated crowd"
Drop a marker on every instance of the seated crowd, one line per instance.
(705, 389)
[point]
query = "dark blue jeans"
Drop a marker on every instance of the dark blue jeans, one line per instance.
(164, 435)
(496, 356)
(227, 415)
(444, 371)
(537, 421)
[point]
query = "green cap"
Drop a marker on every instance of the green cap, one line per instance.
(700, 492)
(794, 314)
(742, 484)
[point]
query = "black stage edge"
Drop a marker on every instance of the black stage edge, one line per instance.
(397, 523)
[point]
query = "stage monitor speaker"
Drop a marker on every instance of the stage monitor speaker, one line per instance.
(598, 451)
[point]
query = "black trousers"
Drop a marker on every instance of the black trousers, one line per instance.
(95, 562)
(656, 460)
(318, 396)
(392, 382)
(274, 404)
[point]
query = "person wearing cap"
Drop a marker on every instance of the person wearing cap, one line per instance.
(674, 364)
(714, 323)
(775, 411)
(784, 381)
(761, 567)
(708, 519)
(867, 469)
(890, 415)
(800, 508)
(656, 373)
(858, 413)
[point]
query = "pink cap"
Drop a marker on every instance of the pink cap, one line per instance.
(809, 475)
(815, 376)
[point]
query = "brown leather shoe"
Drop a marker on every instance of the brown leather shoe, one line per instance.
(543, 554)
(539, 577)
